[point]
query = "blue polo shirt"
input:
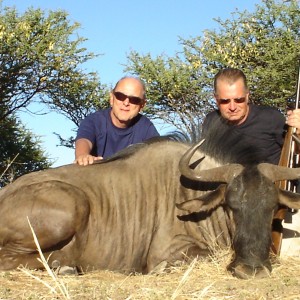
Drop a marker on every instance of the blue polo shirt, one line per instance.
(108, 139)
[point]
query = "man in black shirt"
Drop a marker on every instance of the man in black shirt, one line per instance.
(261, 127)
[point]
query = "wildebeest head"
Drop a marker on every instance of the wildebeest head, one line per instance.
(250, 193)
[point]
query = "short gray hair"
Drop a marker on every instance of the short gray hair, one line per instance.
(230, 75)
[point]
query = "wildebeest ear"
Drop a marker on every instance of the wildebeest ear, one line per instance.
(205, 202)
(277, 173)
(289, 199)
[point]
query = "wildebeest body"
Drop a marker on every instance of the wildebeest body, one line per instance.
(126, 213)
(118, 215)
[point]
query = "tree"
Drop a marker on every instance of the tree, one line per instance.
(41, 58)
(20, 151)
(265, 44)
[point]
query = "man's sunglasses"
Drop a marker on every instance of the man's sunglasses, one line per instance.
(132, 99)
(236, 100)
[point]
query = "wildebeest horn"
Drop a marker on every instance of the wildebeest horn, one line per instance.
(277, 173)
(219, 174)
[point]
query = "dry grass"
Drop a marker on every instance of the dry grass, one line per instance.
(202, 279)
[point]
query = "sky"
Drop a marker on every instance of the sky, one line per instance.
(114, 28)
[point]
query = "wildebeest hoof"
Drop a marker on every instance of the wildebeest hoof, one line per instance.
(248, 272)
(160, 268)
(66, 270)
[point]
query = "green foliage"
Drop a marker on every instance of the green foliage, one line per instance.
(40, 59)
(20, 151)
(265, 44)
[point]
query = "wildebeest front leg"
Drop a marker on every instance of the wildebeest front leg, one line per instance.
(57, 212)
(166, 251)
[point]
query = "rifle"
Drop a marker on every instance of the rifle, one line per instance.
(287, 159)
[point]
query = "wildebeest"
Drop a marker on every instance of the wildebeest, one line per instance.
(125, 213)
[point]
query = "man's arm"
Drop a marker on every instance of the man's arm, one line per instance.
(83, 148)
(293, 120)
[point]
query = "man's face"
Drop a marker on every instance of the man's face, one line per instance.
(125, 108)
(232, 101)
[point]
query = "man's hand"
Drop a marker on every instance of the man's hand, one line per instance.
(83, 148)
(293, 119)
(86, 159)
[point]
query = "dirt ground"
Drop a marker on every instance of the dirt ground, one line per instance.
(202, 279)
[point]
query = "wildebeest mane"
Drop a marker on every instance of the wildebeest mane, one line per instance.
(225, 144)
(222, 142)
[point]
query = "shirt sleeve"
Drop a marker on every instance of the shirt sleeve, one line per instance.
(280, 126)
(151, 132)
(86, 130)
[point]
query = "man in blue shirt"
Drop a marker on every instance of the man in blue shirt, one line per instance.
(105, 132)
